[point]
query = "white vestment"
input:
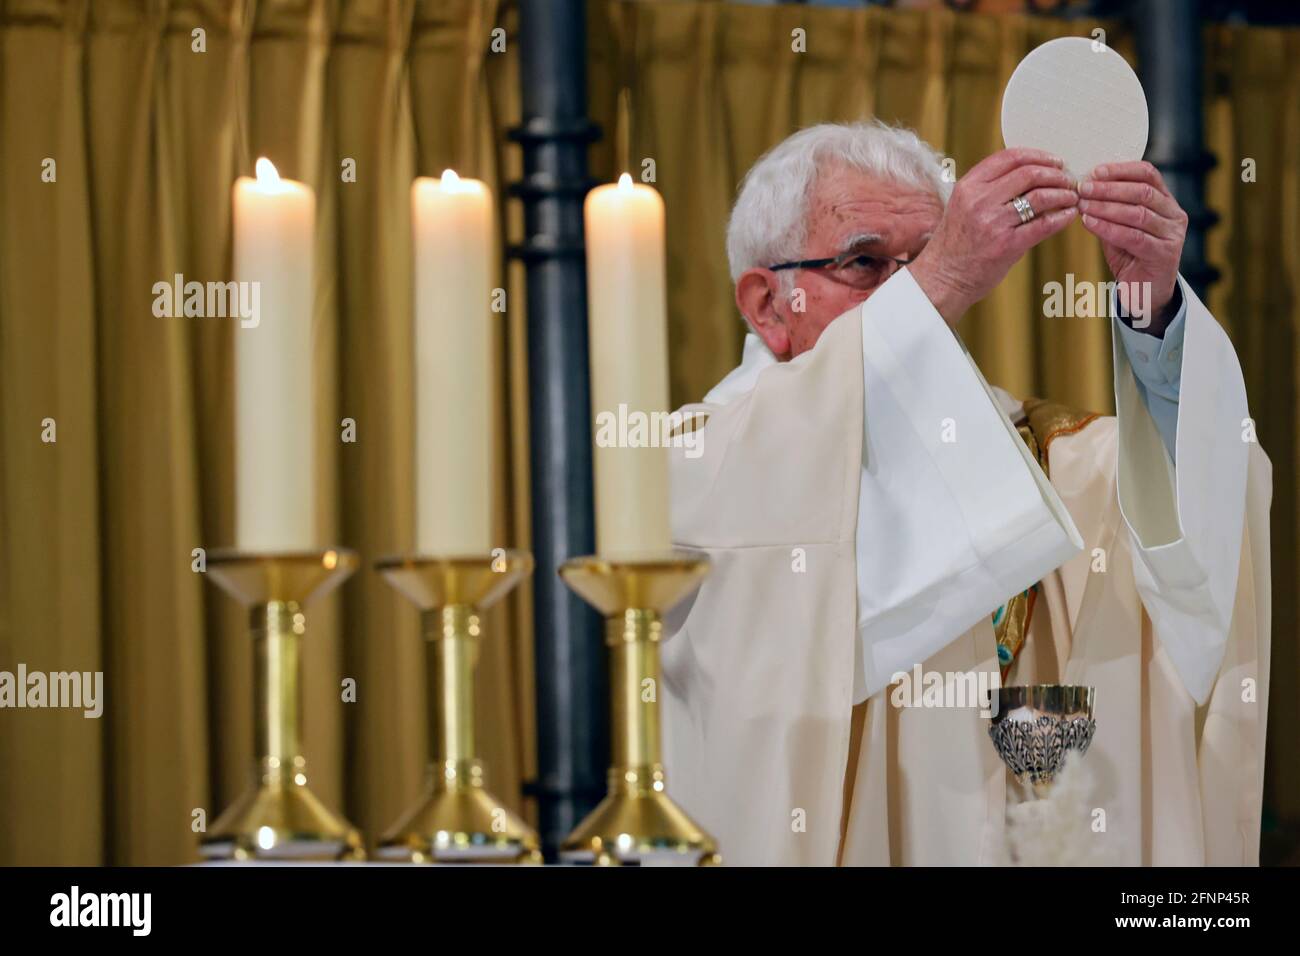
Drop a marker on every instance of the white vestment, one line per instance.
(868, 505)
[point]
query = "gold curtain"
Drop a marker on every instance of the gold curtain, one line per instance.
(704, 88)
(147, 133)
(1253, 130)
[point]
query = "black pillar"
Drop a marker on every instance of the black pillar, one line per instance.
(571, 681)
(1170, 63)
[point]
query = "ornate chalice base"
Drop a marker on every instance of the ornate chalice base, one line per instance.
(1035, 726)
(637, 823)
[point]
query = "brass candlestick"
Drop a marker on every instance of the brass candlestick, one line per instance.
(637, 823)
(457, 820)
(278, 817)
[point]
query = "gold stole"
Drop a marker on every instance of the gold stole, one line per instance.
(1044, 422)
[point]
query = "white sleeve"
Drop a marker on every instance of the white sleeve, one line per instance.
(1186, 524)
(954, 514)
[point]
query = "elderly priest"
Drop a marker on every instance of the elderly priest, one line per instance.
(873, 509)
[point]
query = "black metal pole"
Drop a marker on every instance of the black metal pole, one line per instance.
(1170, 62)
(571, 680)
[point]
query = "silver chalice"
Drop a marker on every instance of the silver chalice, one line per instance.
(1034, 726)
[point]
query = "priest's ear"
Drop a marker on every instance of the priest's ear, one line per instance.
(765, 304)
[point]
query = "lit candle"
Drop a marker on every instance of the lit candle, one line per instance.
(275, 502)
(627, 315)
(452, 221)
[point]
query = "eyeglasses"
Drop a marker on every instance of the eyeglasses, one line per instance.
(855, 269)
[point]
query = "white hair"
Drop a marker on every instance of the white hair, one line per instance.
(769, 220)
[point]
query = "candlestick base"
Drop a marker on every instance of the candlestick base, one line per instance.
(456, 820)
(278, 817)
(637, 823)
(281, 819)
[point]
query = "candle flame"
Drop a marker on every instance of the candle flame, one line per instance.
(625, 183)
(266, 174)
(449, 179)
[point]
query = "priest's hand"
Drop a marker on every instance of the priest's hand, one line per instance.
(1141, 228)
(981, 235)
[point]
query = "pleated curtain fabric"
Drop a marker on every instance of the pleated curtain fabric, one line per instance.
(1252, 128)
(148, 135)
(98, 528)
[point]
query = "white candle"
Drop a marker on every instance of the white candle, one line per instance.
(275, 504)
(627, 315)
(452, 221)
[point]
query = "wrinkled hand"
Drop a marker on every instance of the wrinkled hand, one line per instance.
(981, 236)
(1141, 228)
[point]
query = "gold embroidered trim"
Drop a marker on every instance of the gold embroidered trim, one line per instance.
(1050, 420)
(1044, 422)
(1011, 628)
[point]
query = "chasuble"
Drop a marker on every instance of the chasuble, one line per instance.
(874, 505)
